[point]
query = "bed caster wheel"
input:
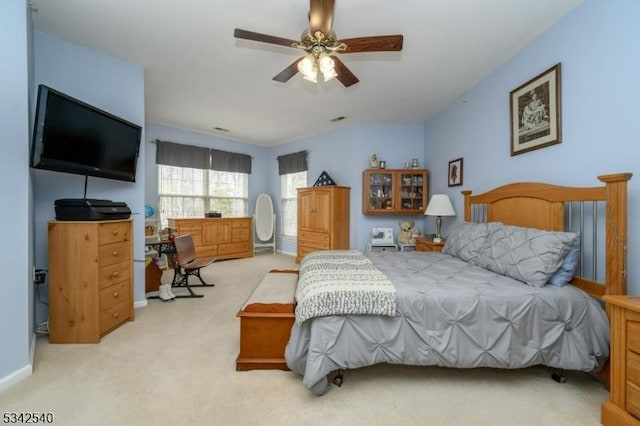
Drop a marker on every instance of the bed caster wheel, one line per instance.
(559, 377)
(338, 380)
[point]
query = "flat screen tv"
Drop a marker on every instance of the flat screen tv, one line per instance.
(74, 137)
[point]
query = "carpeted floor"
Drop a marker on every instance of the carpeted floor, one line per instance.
(175, 365)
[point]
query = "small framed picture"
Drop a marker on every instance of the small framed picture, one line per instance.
(535, 112)
(455, 172)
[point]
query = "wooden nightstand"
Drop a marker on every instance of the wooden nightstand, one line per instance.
(427, 244)
(623, 408)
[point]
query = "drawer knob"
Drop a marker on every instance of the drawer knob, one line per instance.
(116, 314)
(114, 232)
(115, 253)
(115, 273)
(116, 294)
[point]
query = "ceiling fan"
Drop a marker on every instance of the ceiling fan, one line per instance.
(320, 45)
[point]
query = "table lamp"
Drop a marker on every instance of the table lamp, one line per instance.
(439, 206)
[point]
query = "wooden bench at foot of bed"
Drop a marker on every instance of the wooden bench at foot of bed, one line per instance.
(265, 322)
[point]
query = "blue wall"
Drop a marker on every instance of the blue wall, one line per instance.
(110, 84)
(598, 47)
(16, 301)
(344, 153)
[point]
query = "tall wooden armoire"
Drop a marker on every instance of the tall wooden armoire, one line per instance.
(323, 219)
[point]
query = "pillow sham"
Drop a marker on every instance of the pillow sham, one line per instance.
(568, 268)
(466, 240)
(525, 254)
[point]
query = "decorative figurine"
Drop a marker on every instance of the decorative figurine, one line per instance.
(374, 161)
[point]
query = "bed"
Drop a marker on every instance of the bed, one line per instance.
(463, 308)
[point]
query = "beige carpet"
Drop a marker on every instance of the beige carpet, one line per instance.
(175, 365)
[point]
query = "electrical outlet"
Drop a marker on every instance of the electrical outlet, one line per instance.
(39, 276)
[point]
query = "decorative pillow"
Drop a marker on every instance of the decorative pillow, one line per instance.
(466, 240)
(525, 254)
(564, 274)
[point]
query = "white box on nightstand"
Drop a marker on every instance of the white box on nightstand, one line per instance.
(379, 247)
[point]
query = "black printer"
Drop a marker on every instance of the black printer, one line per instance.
(91, 209)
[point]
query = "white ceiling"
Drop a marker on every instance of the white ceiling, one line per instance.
(198, 76)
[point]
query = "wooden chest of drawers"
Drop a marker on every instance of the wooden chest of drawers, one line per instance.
(623, 408)
(90, 279)
(222, 238)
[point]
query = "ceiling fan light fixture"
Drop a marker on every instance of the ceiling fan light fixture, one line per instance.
(330, 74)
(311, 77)
(318, 41)
(325, 62)
(308, 68)
(327, 66)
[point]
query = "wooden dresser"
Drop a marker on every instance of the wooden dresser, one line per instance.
(323, 219)
(623, 408)
(222, 238)
(90, 279)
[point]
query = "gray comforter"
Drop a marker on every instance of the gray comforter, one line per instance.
(454, 314)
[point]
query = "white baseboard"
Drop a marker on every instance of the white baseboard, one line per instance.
(32, 349)
(19, 375)
(140, 304)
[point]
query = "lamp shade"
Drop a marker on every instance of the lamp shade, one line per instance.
(440, 205)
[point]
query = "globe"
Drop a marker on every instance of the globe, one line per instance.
(149, 211)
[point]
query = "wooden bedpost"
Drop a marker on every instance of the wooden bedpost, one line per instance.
(616, 229)
(467, 205)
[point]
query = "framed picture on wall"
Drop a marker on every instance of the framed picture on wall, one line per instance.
(536, 112)
(455, 172)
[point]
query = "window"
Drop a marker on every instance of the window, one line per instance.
(187, 192)
(288, 184)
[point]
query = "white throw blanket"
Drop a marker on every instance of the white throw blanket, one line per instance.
(335, 282)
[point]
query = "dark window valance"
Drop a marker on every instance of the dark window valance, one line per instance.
(197, 157)
(292, 163)
(230, 162)
(174, 154)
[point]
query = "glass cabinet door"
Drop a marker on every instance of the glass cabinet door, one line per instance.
(394, 191)
(411, 191)
(380, 191)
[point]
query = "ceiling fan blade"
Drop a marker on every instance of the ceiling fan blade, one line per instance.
(264, 38)
(286, 74)
(321, 16)
(384, 43)
(346, 77)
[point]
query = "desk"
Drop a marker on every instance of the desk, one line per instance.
(168, 248)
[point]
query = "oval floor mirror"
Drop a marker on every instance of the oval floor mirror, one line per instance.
(264, 221)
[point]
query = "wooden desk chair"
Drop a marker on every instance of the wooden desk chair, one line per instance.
(190, 264)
